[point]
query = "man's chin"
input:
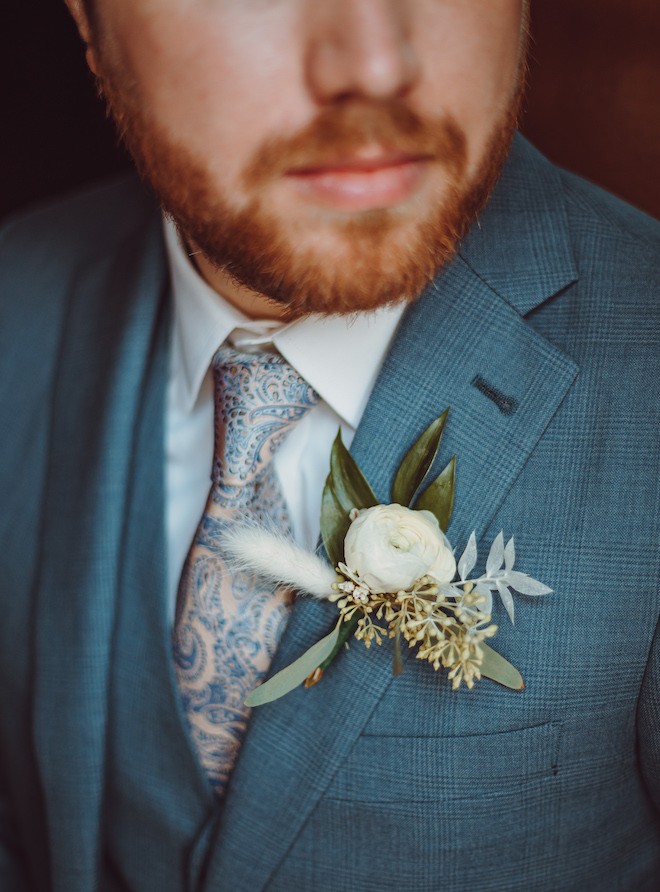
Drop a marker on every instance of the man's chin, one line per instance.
(367, 262)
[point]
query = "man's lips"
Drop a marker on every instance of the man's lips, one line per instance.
(361, 183)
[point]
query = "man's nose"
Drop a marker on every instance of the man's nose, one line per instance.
(360, 48)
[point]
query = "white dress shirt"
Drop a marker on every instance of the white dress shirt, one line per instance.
(339, 356)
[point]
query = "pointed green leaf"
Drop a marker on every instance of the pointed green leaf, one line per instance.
(500, 670)
(348, 482)
(289, 678)
(334, 523)
(418, 460)
(439, 497)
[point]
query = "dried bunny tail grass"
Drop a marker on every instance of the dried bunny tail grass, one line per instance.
(275, 557)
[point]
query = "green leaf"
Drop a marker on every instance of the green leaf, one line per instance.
(439, 497)
(348, 483)
(334, 523)
(419, 458)
(500, 670)
(346, 630)
(289, 678)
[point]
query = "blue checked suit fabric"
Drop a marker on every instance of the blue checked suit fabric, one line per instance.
(228, 622)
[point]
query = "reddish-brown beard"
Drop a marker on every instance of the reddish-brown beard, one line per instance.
(386, 256)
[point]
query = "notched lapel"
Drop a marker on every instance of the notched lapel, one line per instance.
(464, 347)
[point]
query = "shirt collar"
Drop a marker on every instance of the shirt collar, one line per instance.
(339, 356)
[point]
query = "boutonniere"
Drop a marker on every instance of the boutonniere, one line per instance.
(395, 576)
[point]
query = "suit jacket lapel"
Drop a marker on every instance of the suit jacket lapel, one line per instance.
(465, 348)
(114, 344)
(464, 344)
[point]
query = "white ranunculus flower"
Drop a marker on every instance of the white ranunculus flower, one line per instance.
(390, 547)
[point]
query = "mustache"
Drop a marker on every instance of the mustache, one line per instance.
(344, 129)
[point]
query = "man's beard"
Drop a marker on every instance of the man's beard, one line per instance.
(384, 256)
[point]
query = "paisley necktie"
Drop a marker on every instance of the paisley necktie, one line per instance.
(228, 622)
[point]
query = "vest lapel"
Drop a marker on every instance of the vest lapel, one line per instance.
(111, 356)
(157, 795)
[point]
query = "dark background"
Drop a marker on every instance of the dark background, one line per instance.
(593, 105)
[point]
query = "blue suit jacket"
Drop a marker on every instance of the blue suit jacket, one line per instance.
(363, 782)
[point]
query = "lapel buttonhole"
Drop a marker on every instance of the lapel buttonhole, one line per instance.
(507, 405)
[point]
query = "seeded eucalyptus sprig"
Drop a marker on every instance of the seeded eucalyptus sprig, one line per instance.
(371, 545)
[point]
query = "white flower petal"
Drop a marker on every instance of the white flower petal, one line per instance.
(390, 547)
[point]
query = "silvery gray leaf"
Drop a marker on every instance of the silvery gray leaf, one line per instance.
(450, 590)
(484, 589)
(509, 554)
(525, 584)
(468, 558)
(496, 555)
(507, 598)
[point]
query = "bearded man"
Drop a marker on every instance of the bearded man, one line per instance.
(347, 211)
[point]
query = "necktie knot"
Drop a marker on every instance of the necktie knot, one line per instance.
(258, 400)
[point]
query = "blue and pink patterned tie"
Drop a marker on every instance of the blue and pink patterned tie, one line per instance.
(229, 623)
